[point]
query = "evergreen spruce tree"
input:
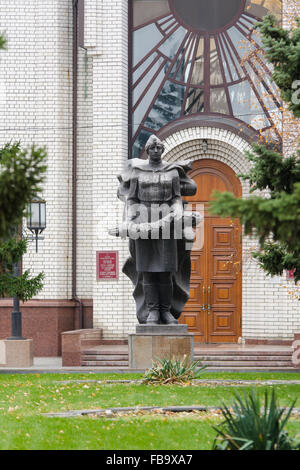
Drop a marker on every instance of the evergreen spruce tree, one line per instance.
(282, 49)
(275, 218)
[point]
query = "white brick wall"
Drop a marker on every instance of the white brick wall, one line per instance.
(35, 72)
(114, 308)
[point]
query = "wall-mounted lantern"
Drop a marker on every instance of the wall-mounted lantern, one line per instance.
(204, 145)
(36, 221)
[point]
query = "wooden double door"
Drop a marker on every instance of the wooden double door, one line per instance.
(213, 312)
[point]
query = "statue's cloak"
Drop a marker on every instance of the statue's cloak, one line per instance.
(180, 278)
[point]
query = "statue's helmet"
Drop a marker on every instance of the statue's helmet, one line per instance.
(152, 140)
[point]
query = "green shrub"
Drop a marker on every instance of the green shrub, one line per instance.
(173, 371)
(250, 426)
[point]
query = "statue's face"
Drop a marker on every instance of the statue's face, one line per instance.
(155, 152)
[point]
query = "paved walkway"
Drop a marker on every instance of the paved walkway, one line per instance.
(54, 365)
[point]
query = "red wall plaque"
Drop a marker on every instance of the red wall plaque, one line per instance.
(107, 265)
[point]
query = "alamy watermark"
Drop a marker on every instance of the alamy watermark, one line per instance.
(296, 94)
(163, 221)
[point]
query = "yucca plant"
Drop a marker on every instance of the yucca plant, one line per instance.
(250, 426)
(173, 371)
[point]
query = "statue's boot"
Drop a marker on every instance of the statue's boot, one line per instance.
(165, 297)
(152, 303)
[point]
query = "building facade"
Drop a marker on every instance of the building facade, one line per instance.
(93, 94)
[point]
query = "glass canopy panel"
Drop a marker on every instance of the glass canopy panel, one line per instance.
(260, 81)
(233, 62)
(197, 77)
(248, 20)
(246, 106)
(258, 62)
(194, 101)
(167, 106)
(144, 39)
(147, 10)
(187, 59)
(256, 36)
(145, 82)
(171, 45)
(260, 56)
(179, 65)
(167, 24)
(224, 62)
(218, 101)
(144, 65)
(215, 70)
(242, 45)
(243, 28)
(142, 108)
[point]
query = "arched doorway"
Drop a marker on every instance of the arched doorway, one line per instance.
(213, 312)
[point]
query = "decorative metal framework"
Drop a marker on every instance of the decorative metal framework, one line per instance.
(201, 60)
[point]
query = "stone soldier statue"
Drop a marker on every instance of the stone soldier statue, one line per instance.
(158, 231)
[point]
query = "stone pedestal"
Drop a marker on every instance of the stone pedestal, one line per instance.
(159, 341)
(16, 353)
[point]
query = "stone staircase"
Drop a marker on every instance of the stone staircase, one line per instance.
(105, 355)
(87, 348)
(215, 357)
(246, 358)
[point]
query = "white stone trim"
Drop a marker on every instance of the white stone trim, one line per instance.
(223, 145)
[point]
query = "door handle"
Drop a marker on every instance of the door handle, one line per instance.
(208, 300)
(203, 298)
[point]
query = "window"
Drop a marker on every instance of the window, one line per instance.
(199, 57)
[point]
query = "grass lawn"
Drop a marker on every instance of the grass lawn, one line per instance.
(25, 397)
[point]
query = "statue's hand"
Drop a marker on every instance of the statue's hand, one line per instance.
(196, 218)
(188, 234)
(114, 232)
(144, 227)
(177, 213)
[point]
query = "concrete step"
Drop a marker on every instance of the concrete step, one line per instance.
(89, 342)
(96, 352)
(114, 355)
(89, 363)
(244, 358)
(229, 364)
(104, 357)
(242, 353)
(250, 369)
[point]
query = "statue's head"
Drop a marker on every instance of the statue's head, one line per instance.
(154, 147)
